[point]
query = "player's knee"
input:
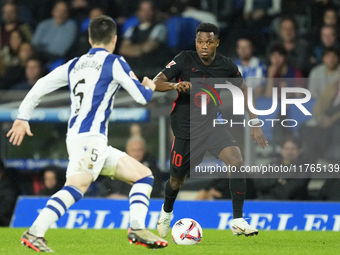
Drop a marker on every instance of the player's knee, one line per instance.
(176, 183)
(236, 163)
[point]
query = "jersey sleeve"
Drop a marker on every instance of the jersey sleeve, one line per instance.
(123, 74)
(174, 69)
(236, 75)
(54, 80)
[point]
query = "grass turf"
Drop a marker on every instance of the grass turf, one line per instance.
(90, 241)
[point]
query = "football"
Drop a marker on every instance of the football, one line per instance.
(187, 232)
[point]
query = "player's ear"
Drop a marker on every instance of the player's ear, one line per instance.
(90, 41)
(114, 40)
(217, 42)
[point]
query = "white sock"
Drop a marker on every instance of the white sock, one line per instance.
(56, 207)
(139, 201)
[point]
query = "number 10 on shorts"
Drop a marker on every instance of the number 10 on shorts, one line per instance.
(177, 159)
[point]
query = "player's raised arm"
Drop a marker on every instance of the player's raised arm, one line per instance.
(162, 84)
(141, 92)
(256, 132)
(56, 79)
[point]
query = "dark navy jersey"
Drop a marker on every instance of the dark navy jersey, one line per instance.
(186, 118)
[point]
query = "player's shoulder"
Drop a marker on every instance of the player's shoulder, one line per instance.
(183, 58)
(225, 60)
(185, 54)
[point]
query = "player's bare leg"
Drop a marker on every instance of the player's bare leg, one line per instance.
(133, 172)
(75, 186)
(237, 184)
(172, 187)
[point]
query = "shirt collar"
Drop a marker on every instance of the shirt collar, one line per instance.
(94, 50)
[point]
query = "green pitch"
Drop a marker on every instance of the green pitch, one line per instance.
(84, 242)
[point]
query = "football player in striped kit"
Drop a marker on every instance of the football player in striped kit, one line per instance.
(93, 80)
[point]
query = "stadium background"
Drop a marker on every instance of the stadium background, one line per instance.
(259, 23)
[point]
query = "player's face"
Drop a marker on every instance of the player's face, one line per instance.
(206, 44)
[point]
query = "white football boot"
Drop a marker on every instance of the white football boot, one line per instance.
(241, 227)
(163, 224)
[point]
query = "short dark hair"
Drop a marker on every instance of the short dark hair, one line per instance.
(207, 27)
(102, 29)
(279, 49)
(291, 138)
(331, 50)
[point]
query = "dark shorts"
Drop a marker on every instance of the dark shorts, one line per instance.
(186, 153)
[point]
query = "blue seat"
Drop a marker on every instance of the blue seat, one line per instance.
(294, 113)
(130, 22)
(181, 33)
(84, 25)
(263, 103)
(56, 63)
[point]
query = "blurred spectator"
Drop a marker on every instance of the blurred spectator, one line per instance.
(55, 36)
(144, 42)
(135, 130)
(9, 54)
(219, 189)
(279, 68)
(251, 68)
(191, 10)
(330, 17)
(79, 10)
(299, 52)
(318, 9)
(258, 15)
(325, 73)
(25, 14)
(321, 135)
(54, 179)
(256, 10)
(291, 187)
(16, 74)
(10, 22)
(33, 72)
(328, 38)
(8, 197)
(83, 45)
(330, 190)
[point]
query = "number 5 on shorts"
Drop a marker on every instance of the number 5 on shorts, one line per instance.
(94, 155)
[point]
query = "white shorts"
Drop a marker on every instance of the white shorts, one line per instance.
(91, 154)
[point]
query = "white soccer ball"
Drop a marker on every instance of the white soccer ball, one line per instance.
(187, 232)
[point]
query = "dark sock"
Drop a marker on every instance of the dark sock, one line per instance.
(237, 187)
(170, 197)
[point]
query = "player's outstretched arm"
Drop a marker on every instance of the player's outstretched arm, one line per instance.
(18, 131)
(148, 83)
(256, 132)
(163, 84)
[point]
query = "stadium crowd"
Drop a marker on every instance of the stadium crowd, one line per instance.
(265, 38)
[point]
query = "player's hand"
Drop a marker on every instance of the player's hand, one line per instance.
(183, 86)
(148, 83)
(19, 129)
(258, 136)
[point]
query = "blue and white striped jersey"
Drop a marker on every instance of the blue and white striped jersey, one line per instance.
(93, 80)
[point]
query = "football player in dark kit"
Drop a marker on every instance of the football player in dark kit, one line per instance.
(205, 64)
